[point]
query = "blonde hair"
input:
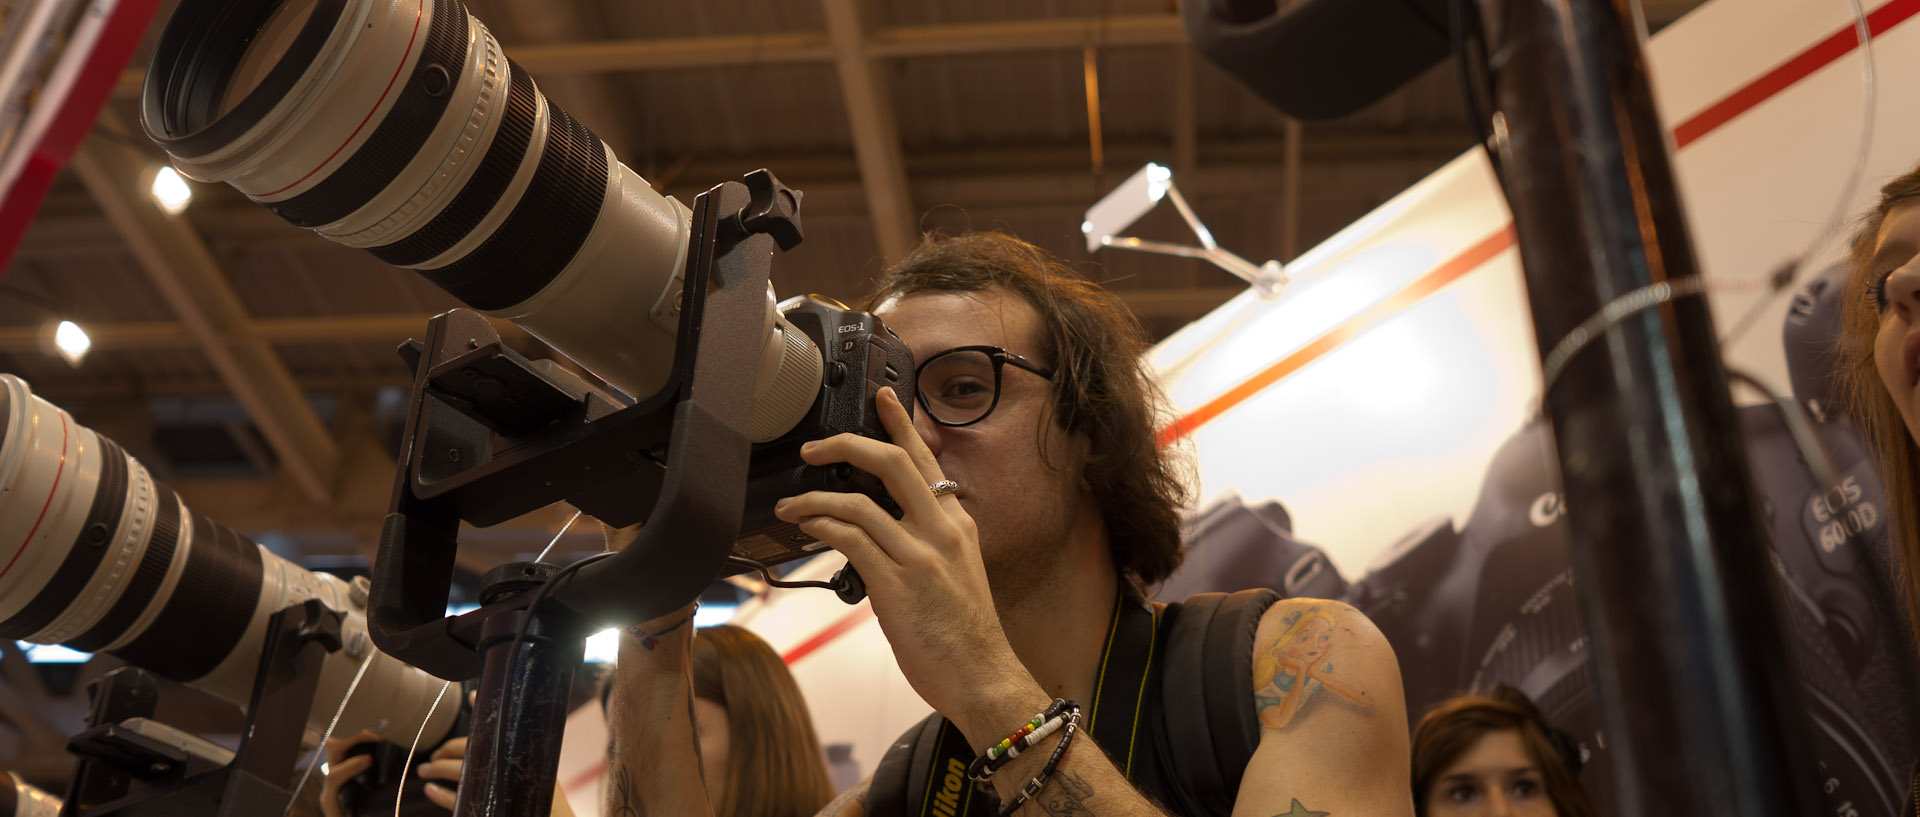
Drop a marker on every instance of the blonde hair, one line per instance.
(1868, 401)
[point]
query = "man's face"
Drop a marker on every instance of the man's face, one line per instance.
(1025, 510)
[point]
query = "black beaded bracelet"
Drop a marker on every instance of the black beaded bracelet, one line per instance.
(1034, 731)
(1053, 762)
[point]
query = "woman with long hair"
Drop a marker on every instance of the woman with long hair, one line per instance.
(757, 744)
(1495, 757)
(759, 753)
(1880, 316)
(1880, 350)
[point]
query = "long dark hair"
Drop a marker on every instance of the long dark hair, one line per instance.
(774, 764)
(1100, 385)
(1456, 724)
(1868, 402)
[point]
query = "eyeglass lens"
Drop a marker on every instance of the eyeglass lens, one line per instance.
(958, 387)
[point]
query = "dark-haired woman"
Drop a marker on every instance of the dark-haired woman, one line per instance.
(1495, 757)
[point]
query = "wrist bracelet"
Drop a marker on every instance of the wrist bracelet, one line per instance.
(1028, 735)
(652, 640)
(1046, 773)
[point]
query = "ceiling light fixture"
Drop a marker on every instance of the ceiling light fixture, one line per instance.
(71, 342)
(171, 191)
(1137, 196)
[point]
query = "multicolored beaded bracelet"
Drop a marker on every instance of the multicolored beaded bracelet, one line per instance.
(1029, 734)
(1046, 773)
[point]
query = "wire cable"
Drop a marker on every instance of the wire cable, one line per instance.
(320, 754)
(556, 537)
(1791, 272)
(767, 574)
(400, 792)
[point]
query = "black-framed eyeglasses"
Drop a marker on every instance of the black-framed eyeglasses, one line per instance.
(961, 386)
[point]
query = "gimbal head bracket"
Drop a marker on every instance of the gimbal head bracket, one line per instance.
(490, 436)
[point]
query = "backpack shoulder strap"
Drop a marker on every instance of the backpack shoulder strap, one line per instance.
(893, 780)
(1206, 693)
(924, 774)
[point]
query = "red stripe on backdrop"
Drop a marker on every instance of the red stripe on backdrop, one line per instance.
(1798, 67)
(1729, 107)
(820, 639)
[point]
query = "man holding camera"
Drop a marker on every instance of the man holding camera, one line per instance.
(1036, 508)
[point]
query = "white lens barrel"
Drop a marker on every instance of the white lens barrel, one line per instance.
(152, 582)
(408, 132)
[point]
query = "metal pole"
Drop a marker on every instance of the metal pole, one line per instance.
(1695, 692)
(522, 700)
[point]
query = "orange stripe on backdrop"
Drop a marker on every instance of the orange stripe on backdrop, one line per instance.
(1467, 261)
(1743, 99)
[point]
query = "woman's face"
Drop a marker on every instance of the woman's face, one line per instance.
(710, 732)
(1894, 286)
(1494, 778)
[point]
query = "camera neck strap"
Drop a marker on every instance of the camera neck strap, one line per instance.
(926, 772)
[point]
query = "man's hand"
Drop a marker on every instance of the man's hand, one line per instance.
(923, 573)
(341, 768)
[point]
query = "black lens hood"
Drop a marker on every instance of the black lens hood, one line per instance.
(195, 59)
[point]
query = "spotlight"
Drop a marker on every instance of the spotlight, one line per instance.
(71, 342)
(1137, 196)
(170, 191)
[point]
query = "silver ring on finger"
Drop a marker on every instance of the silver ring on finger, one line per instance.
(944, 487)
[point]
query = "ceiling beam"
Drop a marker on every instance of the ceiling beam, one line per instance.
(900, 42)
(188, 277)
(679, 53)
(315, 329)
(374, 328)
(876, 136)
(1027, 35)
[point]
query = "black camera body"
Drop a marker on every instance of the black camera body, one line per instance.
(861, 356)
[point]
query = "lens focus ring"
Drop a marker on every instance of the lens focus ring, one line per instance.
(548, 225)
(483, 191)
(399, 136)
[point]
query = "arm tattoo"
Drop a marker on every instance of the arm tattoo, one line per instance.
(623, 802)
(1301, 811)
(1067, 796)
(1290, 669)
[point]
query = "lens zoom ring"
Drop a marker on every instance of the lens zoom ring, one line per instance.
(89, 548)
(548, 225)
(399, 136)
(208, 611)
(146, 578)
(483, 191)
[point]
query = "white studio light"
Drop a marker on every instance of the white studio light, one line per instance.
(1107, 220)
(1118, 210)
(71, 342)
(170, 191)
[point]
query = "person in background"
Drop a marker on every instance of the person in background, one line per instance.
(1880, 353)
(750, 721)
(757, 744)
(1495, 757)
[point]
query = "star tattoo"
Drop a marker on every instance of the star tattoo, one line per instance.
(1301, 811)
